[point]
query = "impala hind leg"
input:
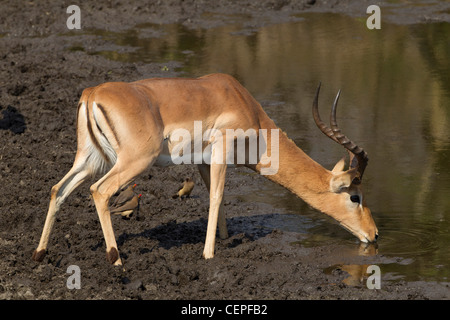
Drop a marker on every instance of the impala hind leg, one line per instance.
(118, 177)
(59, 193)
(205, 173)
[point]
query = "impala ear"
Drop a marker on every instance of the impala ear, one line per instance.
(339, 167)
(342, 180)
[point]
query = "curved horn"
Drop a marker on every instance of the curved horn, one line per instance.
(320, 124)
(358, 157)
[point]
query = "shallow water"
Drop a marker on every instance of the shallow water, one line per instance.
(395, 103)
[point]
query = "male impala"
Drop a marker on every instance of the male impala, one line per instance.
(124, 128)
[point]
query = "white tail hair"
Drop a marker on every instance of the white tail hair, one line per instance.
(98, 161)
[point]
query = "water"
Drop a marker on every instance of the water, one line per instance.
(395, 103)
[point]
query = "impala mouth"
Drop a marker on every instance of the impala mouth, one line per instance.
(360, 235)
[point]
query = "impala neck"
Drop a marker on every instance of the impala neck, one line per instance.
(299, 173)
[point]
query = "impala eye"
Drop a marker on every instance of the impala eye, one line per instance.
(355, 198)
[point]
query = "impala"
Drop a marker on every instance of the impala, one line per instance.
(125, 128)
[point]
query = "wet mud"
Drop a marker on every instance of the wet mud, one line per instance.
(41, 81)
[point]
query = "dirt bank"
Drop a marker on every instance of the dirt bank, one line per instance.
(40, 84)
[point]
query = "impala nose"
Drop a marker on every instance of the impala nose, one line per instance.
(376, 236)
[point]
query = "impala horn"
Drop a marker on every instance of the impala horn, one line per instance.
(358, 157)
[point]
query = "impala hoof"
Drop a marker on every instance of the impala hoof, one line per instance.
(112, 256)
(38, 255)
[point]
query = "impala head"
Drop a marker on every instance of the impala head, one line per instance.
(349, 207)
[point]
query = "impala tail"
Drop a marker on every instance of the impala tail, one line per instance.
(92, 136)
(102, 155)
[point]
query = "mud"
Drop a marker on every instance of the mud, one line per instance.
(161, 246)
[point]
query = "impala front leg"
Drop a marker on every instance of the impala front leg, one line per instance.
(217, 175)
(205, 173)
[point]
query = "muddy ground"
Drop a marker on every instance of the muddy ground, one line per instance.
(40, 84)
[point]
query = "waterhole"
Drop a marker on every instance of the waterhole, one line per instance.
(395, 103)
